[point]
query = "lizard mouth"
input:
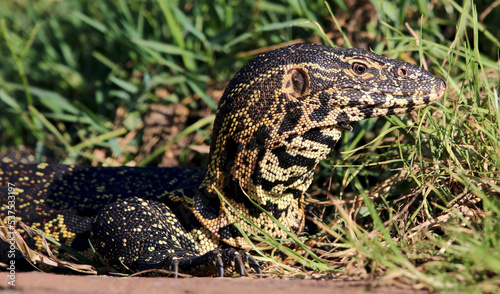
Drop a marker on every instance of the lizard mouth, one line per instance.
(430, 92)
(410, 103)
(399, 104)
(391, 99)
(376, 102)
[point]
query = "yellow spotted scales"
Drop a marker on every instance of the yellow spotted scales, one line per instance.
(279, 116)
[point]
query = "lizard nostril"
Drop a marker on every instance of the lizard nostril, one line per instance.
(443, 84)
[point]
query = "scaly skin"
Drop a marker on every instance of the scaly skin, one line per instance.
(280, 115)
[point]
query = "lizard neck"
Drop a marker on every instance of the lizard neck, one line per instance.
(273, 174)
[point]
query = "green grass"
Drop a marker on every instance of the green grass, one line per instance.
(438, 224)
(67, 67)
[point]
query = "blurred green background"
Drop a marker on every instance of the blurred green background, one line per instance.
(74, 63)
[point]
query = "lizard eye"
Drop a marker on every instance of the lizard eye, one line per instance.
(299, 81)
(359, 68)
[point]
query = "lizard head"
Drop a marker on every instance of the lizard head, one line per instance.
(362, 84)
(284, 111)
(291, 90)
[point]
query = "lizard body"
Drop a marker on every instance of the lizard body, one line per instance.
(279, 116)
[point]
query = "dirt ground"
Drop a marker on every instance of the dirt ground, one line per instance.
(36, 282)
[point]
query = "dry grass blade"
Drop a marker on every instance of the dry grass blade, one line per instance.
(37, 258)
(17, 241)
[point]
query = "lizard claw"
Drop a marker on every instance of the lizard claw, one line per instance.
(253, 263)
(236, 262)
(176, 268)
(240, 266)
(220, 265)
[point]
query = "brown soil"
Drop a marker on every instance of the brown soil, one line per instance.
(35, 282)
